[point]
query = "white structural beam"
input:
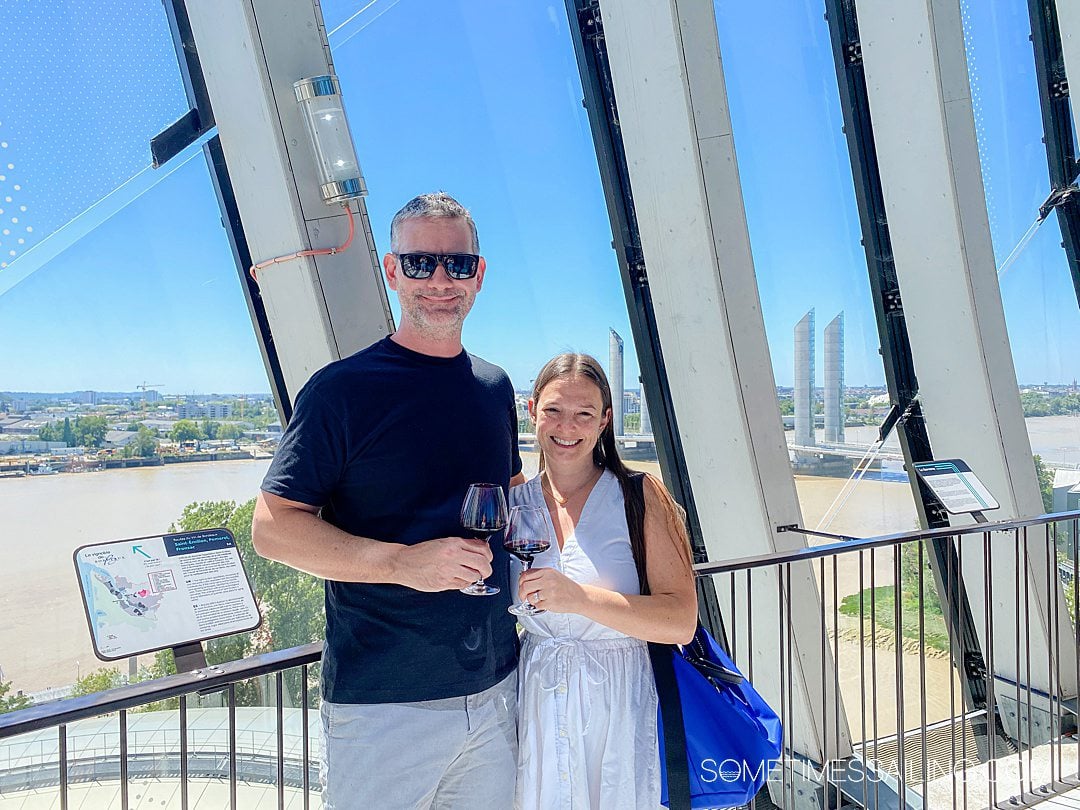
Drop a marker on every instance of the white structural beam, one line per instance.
(1068, 12)
(672, 102)
(924, 130)
(320, 308)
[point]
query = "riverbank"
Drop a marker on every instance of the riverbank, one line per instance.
(20, 466)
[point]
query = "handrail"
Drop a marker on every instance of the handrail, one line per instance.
(211, 679)
(881, 541)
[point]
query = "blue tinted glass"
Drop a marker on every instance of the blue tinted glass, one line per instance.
(83, 89)
(1036, 286)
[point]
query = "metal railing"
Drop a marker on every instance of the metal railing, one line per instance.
(883, 704)
(105, 737)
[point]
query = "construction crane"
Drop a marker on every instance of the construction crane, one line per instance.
(144, 386)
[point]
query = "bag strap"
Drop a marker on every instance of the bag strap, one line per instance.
(667, 688)
(634, 500)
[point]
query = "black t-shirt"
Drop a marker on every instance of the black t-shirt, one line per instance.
(387, 441)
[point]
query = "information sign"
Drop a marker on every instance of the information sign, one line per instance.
(150, 593)
(956, 486)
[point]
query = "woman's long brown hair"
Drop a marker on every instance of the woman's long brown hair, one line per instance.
(606, 454)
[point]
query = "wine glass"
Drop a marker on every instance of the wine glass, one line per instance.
(527, 534)
(483, 513)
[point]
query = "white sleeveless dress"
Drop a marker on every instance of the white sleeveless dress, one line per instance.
(586, 696)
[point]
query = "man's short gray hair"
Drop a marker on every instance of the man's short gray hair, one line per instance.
(438, 205)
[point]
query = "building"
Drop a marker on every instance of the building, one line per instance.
(615, 379)
(804, 381)
(212, 410)
(218, 410)
(646, 420)
(834, 380)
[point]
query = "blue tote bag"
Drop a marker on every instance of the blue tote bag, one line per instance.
(719, 739)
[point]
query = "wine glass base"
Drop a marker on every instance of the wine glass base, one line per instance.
(480, 589)
(525, 609)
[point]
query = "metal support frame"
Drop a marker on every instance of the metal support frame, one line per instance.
(671, 112)
(900, 379)
(924, 131)
(1058, 134)
(318, 309)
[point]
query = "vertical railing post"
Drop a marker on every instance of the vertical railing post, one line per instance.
(232, 746)
(124, 759)
(62, 731)
(183, 753)
(279, 692)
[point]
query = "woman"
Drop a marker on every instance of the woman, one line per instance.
(587, 701)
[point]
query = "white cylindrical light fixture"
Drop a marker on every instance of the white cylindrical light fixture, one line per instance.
(339, 170)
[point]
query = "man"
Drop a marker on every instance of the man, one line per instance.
(419, 680)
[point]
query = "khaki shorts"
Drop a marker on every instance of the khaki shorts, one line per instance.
(438, 754)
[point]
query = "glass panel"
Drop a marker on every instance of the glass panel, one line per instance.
(1036, 288)
(818, 311)
(31, 765)
(128, 353)
(515, 147)
(82, 91)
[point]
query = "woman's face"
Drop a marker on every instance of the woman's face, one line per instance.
(570, 417)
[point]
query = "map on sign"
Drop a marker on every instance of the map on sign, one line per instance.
(150, 593)
(956, 486)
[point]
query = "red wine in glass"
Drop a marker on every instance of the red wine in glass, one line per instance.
(527, 535)
(483, 514)
(526, 550)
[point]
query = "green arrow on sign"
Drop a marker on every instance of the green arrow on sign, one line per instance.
(140, 551)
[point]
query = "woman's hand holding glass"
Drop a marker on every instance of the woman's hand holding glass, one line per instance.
(527, 535)
(552, 590)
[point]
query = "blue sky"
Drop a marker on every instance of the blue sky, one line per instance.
(126, 275)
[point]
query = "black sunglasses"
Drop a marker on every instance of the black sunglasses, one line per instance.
(422, 265)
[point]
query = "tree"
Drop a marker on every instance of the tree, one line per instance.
(229, 430)
(186, 430)
(1034, 404)
(97, 681)
(11, 703)
(143, 445)
(787, 407)
(210, 429)
(89, 431)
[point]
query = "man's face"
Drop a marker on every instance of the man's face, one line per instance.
(436, 306)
